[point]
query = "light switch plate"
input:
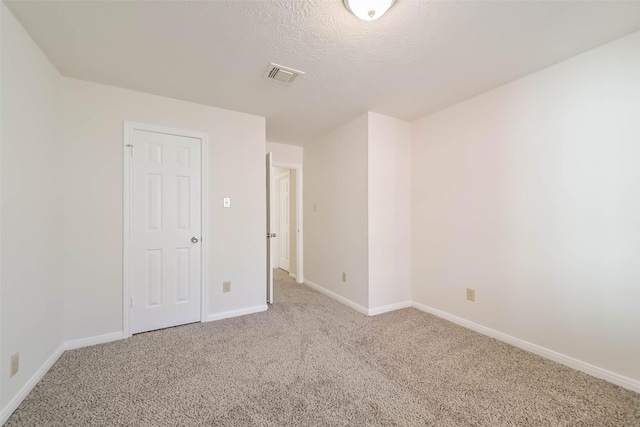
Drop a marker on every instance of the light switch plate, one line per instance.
(226, 202)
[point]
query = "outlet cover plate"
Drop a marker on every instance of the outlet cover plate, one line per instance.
(471, 294)
(15, 364)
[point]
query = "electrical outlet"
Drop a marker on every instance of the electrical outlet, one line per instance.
(344, 277)
(314, 207)
(226, 286)
(471, 294)
(15, 364)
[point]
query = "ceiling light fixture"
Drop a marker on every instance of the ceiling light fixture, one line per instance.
(368, 10)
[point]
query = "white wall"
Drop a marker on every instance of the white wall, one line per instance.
(92, 125)
(529, 194)
(389, 173)
(335, 181)
(359, 178)
(31, 228)
(284, 153)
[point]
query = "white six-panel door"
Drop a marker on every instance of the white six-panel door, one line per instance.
(284, 226)
(166, 230)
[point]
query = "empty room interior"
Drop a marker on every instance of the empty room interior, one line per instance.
(319, 213)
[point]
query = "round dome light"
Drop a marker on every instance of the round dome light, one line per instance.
(368, 10)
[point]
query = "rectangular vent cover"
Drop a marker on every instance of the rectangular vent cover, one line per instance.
(281, 74)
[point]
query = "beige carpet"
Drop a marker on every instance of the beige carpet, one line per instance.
(311, 361)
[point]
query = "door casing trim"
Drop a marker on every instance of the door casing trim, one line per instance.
(127, 261)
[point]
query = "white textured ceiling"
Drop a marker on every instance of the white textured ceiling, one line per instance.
(418, 58)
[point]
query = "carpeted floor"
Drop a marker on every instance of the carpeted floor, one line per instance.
(311, 361)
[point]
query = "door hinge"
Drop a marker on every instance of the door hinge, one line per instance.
(131, 147)
(131, 301)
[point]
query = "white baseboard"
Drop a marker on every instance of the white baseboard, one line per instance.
(339, 298)
(67, 345)
(29, 385)
(390, 307)
(13, 404)
(100, 339)
(236, 313)
(579, 365)
(358, 307)
(587, 368)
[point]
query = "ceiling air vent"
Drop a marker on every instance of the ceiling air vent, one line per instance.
(281, 74)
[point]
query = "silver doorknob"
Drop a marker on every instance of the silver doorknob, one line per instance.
(194, 240)
(271, 235)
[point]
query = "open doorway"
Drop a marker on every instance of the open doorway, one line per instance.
(283, 220)
(285, 223)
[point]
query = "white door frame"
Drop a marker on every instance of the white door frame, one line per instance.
(299, 220)
(275, 194)
(127, 273)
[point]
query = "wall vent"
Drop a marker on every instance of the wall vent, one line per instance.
(281, 74)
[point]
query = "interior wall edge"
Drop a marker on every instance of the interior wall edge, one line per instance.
(390, 307)
(357, 307)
